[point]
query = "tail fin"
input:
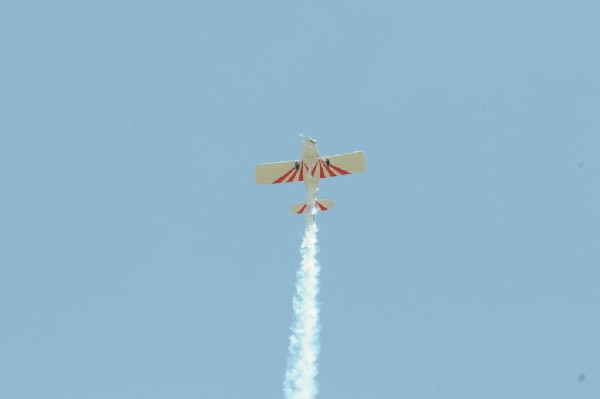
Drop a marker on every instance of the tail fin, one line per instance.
(322, 205)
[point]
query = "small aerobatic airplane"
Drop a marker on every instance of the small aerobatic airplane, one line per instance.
(311, 169)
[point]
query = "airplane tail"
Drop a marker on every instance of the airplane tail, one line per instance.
(322, 205)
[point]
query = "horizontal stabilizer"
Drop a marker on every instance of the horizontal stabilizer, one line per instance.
(322, 205)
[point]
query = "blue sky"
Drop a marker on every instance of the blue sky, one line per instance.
(139, 260)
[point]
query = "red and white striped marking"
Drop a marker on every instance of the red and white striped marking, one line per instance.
(293, 175)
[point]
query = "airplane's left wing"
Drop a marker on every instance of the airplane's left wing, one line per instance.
(280, 172)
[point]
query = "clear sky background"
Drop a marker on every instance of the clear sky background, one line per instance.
(138, 259)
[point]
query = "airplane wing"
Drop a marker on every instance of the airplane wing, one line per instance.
(342, 164)
(280, 172)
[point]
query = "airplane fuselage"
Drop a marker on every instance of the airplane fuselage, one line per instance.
(310, 160)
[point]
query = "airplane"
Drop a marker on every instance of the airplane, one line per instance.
(311, 169)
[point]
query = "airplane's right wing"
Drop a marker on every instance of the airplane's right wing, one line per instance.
(342, 164)
(280, 172)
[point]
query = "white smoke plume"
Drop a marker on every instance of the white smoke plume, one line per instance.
(300, 377)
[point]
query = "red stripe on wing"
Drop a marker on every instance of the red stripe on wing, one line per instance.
(331, 174)
(293, 176)
(339, 170)
(321, 170)
(301, 178)
(321, 206)
(281, 178)
(301, 209)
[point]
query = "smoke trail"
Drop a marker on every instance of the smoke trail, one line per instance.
(300, 377)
